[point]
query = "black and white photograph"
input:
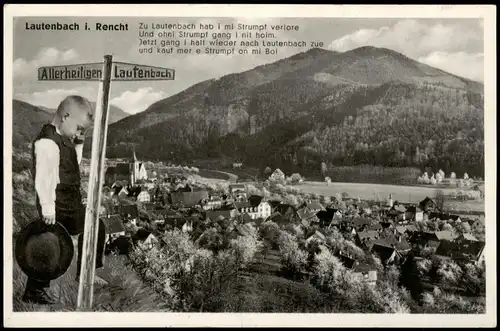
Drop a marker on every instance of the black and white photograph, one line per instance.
(311, 161)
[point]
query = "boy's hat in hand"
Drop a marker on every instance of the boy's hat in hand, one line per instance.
(44, 252)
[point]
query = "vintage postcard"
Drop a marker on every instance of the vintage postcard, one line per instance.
(249, 165)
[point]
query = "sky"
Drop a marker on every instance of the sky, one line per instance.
(453, 45)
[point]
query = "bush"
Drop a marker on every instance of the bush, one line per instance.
(293, 258)
(190, 278)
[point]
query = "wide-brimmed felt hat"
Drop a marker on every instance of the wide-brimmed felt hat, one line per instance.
(44, 252)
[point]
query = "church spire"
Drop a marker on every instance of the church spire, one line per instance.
(134, 156)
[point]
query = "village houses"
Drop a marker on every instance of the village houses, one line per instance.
(130, 172)
(114, 227)
(277, 176)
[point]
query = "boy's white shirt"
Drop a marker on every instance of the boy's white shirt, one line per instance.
(47, 172)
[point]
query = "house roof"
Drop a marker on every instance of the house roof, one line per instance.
(244, 229)
(363, 267)
(359, 221)
(374, 227)
(122, 169)
(327, 214)
(398, 242)
(129, 209)
(411, 228)
(413, 209)
(384, 252)
(464, 249)
(305, 213)
(274, 203)
(400, 208)
(443, 216)
(368, 235)
(346, 261)
(153, 206)
(215, 214)
(255, 200)
(246, 218)
(480, 220)
(445, 235)
(401, 229)
(426, 200)
(113, 224)
(189, 199)
(317, 234)
(314, 205)
(244, 204)
(423, 236)
(386, 225)
(141, 235)
(469, 236)
(278, 218)
(283, 208)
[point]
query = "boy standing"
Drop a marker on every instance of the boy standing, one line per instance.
(57, 153)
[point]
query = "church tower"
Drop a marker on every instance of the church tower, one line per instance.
(134, 168)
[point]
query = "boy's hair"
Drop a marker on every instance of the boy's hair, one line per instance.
(75, 100)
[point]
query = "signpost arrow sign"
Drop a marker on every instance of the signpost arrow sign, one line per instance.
(94, 72)
(104, 73)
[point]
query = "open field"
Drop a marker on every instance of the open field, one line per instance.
(213, 174)
(409, 194)
(216, 174)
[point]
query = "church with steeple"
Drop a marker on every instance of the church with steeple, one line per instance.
(137, 170)
(130, 172)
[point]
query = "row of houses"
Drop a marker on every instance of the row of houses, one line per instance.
(391, 235)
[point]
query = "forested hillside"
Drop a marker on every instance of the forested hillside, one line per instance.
(365, 106)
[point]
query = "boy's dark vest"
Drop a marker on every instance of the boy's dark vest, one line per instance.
(68, 196)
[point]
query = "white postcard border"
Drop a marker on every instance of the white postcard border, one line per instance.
(488, 13)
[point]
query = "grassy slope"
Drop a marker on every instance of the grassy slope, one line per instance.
(125, 291)
(262, 290)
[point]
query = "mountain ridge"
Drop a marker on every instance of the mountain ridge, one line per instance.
(289, 113)
(115, 113)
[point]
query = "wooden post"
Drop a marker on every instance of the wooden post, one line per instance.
(86, 288)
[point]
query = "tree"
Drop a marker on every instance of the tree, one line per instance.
(450, 273)
(440, 198)
(291, 200)
(324, 168)
(410, 278)
(439, 178)
(245, 247)
(295, 178)
(328, 180)
(453, 175)
(269, 231)
(466, 176)
(447, 227)
(267, 171)
(292, 257)
(211, 239)
(464, 227)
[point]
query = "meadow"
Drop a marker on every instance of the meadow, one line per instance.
(381, 192)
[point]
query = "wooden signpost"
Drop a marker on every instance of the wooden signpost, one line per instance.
(104, 73)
